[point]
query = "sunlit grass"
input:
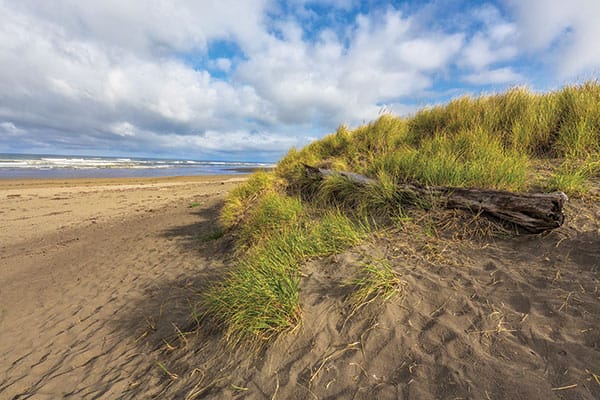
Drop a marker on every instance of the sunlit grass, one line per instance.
(281, 219)
(259, 299)
(271, 213)
(240, 199)
(573, 176)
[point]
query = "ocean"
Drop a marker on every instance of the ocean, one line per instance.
(23, 166)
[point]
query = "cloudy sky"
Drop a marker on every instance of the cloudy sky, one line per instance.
(248, 79)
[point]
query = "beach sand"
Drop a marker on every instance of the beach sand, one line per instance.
(98, 279)
(75, 256)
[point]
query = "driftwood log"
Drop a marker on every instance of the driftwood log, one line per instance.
(534, 212)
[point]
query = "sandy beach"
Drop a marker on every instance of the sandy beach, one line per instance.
(78, 260)
(98, 279)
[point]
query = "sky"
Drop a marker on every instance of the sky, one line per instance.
(249, 79)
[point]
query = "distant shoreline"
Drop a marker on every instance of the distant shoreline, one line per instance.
(38, 166)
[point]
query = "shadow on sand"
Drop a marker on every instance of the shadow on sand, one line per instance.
(165, 325)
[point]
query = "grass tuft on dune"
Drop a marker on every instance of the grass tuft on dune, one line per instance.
(260, 297)
(375, 281)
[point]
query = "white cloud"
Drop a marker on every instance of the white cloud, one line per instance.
(74, 88)
(123, 129)
(329, 81)
(145, 27)
(493, 44)
(502, 32)
(483, 50)
(9, 128)
(128, 75)
(566, 31)
(224, 64)
(238, 143)
(540, 21)
(341, 4)
(494, 77)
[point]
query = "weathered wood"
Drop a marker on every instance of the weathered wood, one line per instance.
(351, 176)
(534, 212)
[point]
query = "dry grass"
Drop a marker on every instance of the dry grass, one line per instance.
(376, 281)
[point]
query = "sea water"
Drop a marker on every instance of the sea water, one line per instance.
(54, 166)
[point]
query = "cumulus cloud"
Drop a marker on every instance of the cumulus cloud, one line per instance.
(150, 28)
(88, 74)
(72, 88)
(137, 77)
(568, 30)
(342, 4)
(494, 77)
(330, 81)
(492, 44)
(9, 129)
(224, 64)
(485, 49)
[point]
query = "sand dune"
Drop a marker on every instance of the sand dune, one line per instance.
(98, 279)
(513, 318)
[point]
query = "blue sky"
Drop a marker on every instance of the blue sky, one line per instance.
(248, 79)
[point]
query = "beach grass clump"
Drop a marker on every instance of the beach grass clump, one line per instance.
(469, 158)
(383, 199)
(335, 232)
(579, 129)
(241, 199)
(571, 180)
(271, 213)
(549, 124)
(573, 176)
(486, 142)
(375, 281)
(338, 191)
(382, 136)
(259, 299)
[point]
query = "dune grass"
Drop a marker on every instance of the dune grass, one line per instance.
(284, 218)
(272, 213)
(573, 175)
(260, 297)
(375, 281)
(242, 198)
(468, 158)
(485, 142)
